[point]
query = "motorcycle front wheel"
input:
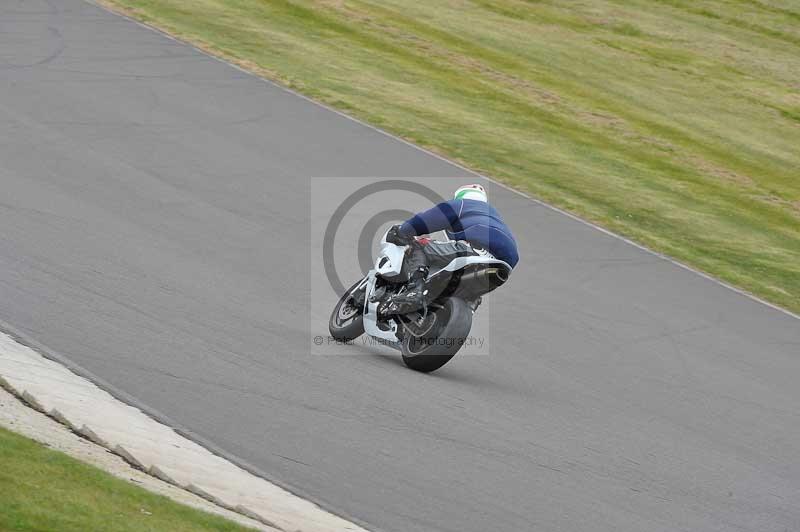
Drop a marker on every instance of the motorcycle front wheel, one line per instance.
(444, 335)
(347, 319)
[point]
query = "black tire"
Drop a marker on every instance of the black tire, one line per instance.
(435, 349)
(345, 330)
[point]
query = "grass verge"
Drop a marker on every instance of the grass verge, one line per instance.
(41, 489)
(673, 124)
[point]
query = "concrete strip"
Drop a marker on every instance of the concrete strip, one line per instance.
(159, 474)
(58, 416)
(122, 452)
(150, 446)
(18, 417)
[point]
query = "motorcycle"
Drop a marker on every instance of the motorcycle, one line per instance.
(428, 337)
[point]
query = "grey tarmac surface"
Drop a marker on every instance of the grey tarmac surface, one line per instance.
(154, 230)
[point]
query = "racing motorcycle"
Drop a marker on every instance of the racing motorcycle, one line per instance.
(430, 336)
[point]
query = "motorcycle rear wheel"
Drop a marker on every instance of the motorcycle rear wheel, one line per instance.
(442, 340)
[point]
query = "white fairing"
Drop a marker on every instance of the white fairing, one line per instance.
(371, 315)
(389, 264)
(390, 259)
(461, 262)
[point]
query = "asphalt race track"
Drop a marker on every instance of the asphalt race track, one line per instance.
(154, 230)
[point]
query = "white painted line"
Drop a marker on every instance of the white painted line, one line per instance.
(152, 446)
(457, 165)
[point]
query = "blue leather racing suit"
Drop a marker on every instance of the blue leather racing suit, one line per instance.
(474, 221)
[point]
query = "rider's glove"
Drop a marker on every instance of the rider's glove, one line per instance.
(394, 237)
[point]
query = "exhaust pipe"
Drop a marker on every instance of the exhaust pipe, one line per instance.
(483, 280)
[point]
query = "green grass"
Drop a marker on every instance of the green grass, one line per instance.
(43, 490)
(673, 124)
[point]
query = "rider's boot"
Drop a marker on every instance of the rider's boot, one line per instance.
(412, 299)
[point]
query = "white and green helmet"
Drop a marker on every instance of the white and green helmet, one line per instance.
(473, 192)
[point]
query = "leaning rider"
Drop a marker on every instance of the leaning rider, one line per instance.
(473, 226)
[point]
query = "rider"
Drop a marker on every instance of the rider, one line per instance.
(474, 228)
